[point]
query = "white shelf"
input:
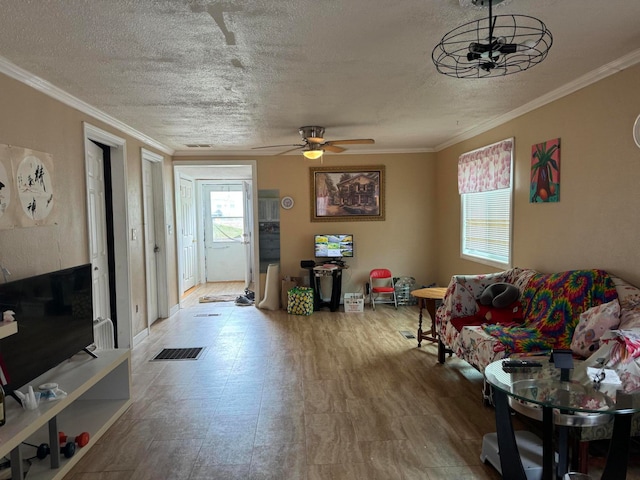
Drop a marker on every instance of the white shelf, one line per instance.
(98, 393)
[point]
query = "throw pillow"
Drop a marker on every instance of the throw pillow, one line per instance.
(593, 323)
(629, 298)
(507, 315)
(500, 295)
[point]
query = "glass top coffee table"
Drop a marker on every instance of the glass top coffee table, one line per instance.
(560, 398)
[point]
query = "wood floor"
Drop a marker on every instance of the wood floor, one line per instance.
(222, 289)
(276, 396)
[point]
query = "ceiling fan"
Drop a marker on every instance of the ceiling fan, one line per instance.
(314, 145)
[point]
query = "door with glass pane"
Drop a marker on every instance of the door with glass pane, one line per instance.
(224, 231)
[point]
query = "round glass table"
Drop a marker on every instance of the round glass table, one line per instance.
(574, 396)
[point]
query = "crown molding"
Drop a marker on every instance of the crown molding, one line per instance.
(12, 70)
(254, 154)
(17, 73)
(581, 82)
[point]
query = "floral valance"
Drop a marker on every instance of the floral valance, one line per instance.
(486, 169)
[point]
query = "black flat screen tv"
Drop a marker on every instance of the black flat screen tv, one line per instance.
(334, 245)
(54, 312)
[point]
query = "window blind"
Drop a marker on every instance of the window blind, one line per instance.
(487, 225)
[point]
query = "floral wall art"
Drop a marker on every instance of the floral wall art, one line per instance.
(26, 187)
(545, 172)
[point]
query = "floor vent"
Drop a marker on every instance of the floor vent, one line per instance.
(207, 315)
(179, 353)
(407, 335)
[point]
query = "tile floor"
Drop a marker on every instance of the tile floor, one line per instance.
(276, 396)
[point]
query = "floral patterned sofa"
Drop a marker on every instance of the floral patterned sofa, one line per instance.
(570, 310)
(551, 305)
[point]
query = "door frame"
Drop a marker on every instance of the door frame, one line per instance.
(177, 164)
(177, 177)
(160, 220)
(124, 302)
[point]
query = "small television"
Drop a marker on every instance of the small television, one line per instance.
(333, 245)
(54, 312)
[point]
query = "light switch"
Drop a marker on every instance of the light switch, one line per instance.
(134, 234)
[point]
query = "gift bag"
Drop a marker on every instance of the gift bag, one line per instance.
(300, 301)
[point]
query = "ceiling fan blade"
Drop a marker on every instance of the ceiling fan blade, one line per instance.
(331, 148)
(298, 147)
(273, 146)
(353, 141)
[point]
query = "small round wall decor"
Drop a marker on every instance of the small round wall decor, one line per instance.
(636, 131)
(35, 189)
(286, 202)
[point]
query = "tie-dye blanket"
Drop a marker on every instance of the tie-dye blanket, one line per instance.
(552, 304)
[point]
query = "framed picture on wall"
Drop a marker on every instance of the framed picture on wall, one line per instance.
(347, 193)
(545, 172)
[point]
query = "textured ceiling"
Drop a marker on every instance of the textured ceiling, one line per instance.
(247, 73)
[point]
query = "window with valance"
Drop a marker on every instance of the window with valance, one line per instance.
(485, 187)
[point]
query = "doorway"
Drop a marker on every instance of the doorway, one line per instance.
(223, 231)
(115, 194)
(155, 236)
(225, 247)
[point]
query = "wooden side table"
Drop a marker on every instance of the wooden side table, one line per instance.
(427, 297)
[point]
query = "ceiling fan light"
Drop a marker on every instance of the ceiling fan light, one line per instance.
(313, 154)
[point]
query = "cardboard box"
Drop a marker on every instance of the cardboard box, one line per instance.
(354, 302)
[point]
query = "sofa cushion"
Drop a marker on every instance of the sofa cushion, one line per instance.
(629, 298)
(510, 314)
(594, 323)
(474, 320)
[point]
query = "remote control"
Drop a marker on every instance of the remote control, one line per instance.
(510, 366)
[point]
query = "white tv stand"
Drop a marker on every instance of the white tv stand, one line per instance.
(98, 392)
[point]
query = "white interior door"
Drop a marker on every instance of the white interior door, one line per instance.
(189, 230)
(150, 243)
(97, 214)
(248, 233)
